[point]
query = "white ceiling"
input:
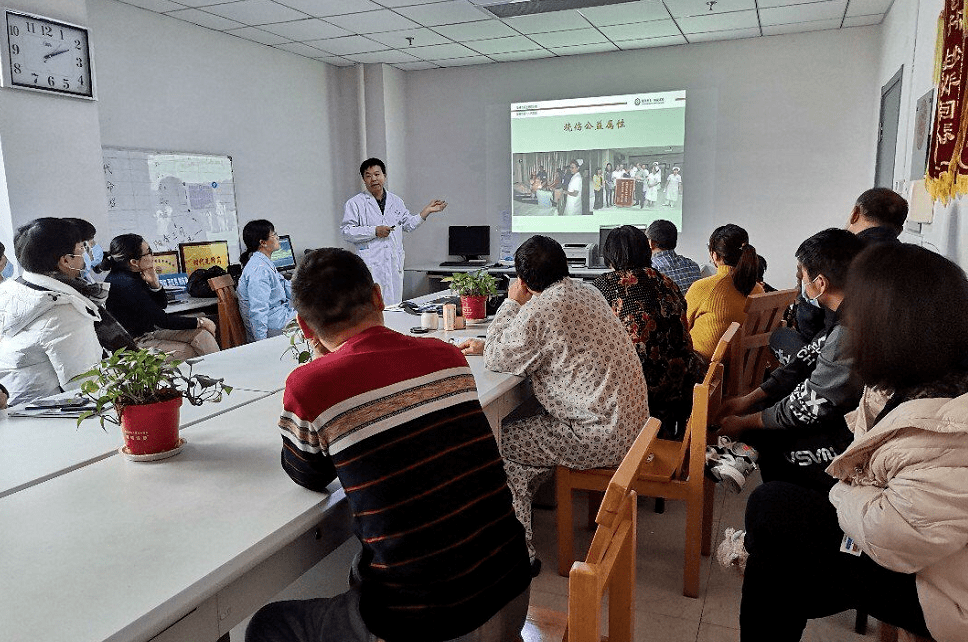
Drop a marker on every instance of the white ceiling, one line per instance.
(448, 33)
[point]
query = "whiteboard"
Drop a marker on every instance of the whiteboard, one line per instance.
(171, 197)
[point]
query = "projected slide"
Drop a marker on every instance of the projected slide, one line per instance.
(585, 163)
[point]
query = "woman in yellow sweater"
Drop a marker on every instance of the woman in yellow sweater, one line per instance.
(718, 300)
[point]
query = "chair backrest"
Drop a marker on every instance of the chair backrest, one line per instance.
(230, 328)
(750, 354)
(610, 565)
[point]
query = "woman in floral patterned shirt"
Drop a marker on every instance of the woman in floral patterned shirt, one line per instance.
(654, 313)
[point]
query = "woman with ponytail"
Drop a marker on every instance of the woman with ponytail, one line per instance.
(265, 298)
(716, 301)
(137, 300)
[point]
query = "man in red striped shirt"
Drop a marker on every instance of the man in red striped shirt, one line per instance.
(398, 421)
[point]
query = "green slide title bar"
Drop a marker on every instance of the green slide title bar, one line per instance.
(607, 130)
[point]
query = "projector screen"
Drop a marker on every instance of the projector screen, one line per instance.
(558, 147)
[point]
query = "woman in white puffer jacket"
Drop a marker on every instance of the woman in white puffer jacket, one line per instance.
(46, 324)
(892, 538)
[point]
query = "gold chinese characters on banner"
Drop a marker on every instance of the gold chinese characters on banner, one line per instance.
(947, 171)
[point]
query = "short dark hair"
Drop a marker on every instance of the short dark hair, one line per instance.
(829, 252)
(124, 248)
(904, 306)
(41, 243)
(540, 262)
(627, 248)
(253, 234)
(87, 229)
(332, 290)
(885, 207)
(372, 162)
(663, 233)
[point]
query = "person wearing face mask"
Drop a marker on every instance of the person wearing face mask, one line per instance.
(46, 323)
(138, 302)
(797, 419)
(6, 267)
(93, 253)
(265, 298)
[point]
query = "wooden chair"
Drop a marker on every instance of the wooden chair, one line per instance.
(230, 329)
(750, 355)
(675, 470)
(610, 565)
(891, 633)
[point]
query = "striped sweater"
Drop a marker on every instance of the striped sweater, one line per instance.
(398, 420)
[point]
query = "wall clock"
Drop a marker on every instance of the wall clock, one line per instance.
(43, 54)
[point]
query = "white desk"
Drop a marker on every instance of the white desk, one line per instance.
(192, 303)
(261, 365)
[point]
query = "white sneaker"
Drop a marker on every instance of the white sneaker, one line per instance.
(731, 462)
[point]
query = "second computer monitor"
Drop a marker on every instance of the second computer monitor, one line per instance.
(473, 242)
(284, 259)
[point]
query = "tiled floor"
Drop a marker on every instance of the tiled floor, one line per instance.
(663, 614)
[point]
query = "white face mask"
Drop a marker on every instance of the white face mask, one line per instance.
(7, 270)
(815, 302)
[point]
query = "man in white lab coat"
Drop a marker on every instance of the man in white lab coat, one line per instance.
(374, 221)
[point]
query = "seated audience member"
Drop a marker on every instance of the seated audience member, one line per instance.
(761, 274)
(718, 300)
(663, 238)
(802, 427)
(93, 253)
(654, 313)
(901, 488)
(138, 301)
(443, 555)
(46, 323)
(877, 217)
(265, 297)
(586, 374)
(6, 267)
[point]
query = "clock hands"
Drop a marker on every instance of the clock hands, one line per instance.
(54, 53)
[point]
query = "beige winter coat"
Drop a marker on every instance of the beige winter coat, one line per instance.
(904, 499)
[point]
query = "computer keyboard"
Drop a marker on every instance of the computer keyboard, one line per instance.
(462, 264)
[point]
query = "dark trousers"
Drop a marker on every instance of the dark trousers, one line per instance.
(798, 456)
(796, 571)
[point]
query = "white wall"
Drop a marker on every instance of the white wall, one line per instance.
(164, 84)
(779, 134)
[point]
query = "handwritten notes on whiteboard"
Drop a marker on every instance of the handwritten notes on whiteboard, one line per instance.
(171, 198)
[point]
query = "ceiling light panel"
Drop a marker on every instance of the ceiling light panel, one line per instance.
(445, 13)
(545, 22)
(480, 30)
(833, 10)
(373, 22)
(617, 14)
(719, 22)
(308, 29)
(569, 38)
(642, 30)
(255, 12)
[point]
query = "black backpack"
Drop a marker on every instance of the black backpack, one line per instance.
(198, 282)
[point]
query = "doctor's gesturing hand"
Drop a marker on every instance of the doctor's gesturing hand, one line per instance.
(435, 205)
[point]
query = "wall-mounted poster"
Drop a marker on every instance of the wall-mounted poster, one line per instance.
(922, 135)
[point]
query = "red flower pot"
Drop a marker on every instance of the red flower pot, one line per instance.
(473, 307)
(151, 428)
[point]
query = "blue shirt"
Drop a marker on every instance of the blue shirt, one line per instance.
(265, 298)
(678, 268)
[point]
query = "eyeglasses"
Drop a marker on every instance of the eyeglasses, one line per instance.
(148, 253)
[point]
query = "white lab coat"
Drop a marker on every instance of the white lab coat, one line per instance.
(384, 256)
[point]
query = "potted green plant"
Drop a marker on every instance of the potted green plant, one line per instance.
(473, 288)
(142, 392)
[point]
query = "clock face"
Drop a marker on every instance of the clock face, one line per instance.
(47, 55)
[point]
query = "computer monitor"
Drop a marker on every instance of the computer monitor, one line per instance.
(472, 242)
(166, 262)
(283, 258)
(204, 254)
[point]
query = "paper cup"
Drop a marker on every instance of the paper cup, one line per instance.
(428, 320)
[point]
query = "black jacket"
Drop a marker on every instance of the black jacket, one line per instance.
(138, 308)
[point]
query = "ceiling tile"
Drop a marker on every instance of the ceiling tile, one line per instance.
(585, 49)
(445, 13)
(255, 12)
(862, 21)
(389, 57)
(504, 45)
(867, 7)
(204, 19)
(766, 4)
(719, 22)
(640, 30)
(323, 8)
(308, 29)
(410, 3)
(336, 60)
(463, 62)
(347, 45)
(258, 35)
(800, 27)
(648, 43)
(732, 34)
(832, 10)
(415, 66)
(618, 14)
(373, 21)
(158, 6)
(299, 48)
(522, 55)
(480, 30)
(570, 38)
(200, 3)
(684, 8)
(421, 38)
(440, 52)
(552, 21)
